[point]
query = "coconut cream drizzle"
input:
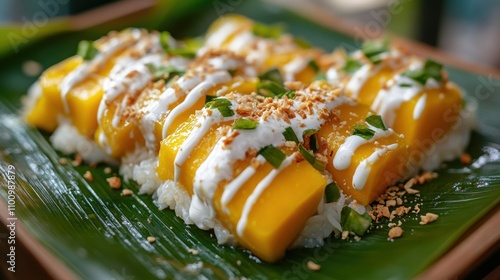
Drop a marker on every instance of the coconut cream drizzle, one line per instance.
(364, 168)
(343, 157)
(106, 52)
(358, 79)
(218, 165)
(259, 189)
(234, 186)
(419, 107)
(194, 95)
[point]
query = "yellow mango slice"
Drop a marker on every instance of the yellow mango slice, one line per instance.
(49, 105)
(272, 224)
(425, 119)
(376, 164)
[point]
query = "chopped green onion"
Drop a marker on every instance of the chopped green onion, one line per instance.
(351, 65)
(431, 69)
(312, 159)
(376, 121)
(270, 88)
(245, 124)
(165, 40)
(320, 76)
(87, 50)
(290, 94)
(374, 49)
(303, 43)
(165, 43)
(209, 98)
(273, 155)
(332, 192)
(352, 221)
(313, 65)
(313, 141)
(290, 135)
(163, 72)
(267, 31)
(405, 85)
(363, 131)
(272, 75)
(221, 104)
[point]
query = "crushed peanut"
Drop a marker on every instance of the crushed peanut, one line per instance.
(465, 158)
(428, 218)
(395, 232)
(107, 170)
(193, 251)
(313, 266)
(408, 186)
(127, 192)
(114, 182)
(63, 161)
(151, 239)
(77, 161)
(88, 176)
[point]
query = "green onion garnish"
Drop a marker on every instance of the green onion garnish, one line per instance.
(165, 43)
(303, 43)
(209, 98)
(405, 85)
(290, 135)
(313, 140)
(270, 88)
(332, 192)
(273, 155)
(431, 69)
(351, 65)
(363, 131)
(245, 124)
(376, 121)
(313, 65)
(163, 72)
(374, 49)
(353, 222)
(87, 50)
(267, 31)
(272, 75)
(221, 104)
(290, 94)
(312, 159)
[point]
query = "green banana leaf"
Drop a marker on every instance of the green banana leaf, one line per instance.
(100, 234)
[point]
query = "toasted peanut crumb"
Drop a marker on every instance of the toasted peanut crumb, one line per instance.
(193, 251)
(345, 235)
(313, 266)
(88, 176)
(465, 158)
(114, 182)
(410, 184)
(127, 192)
(63, 161)
(107, 170)
(428, 218)
(391, 202)
(416, 209)
(77, 161)
(151, 239)
(395, 232)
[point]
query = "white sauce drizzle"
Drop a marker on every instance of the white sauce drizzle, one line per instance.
(419, 107)
(357, 80)
(257, 192)
(194, 95)
(294, 67)
(234, 186)
(364, 168)
(343, 157)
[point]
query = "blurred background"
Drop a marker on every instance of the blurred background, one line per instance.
(466, 29)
